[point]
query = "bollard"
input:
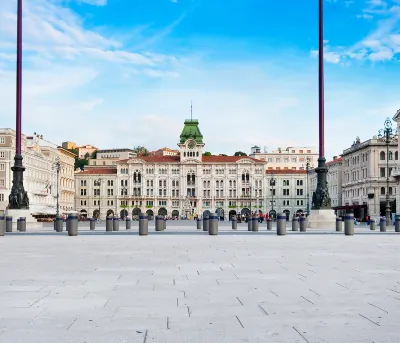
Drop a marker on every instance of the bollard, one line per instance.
(339, 224)
(92, 223)
(213, 229)
(295, 224)
(198, 223)
(281, 224)
(115, 224)
(206, 222)
(128, 223)
(255, 223)
(234, 223)
(72, 225)
(109, 223)
(165, 224)
(159, 223)
(21, 224)
(349, 224)
(372, 224)
(59, 223)
(382, 224)
(8, 223)
(143, 225)
(269, 224)
(2, 225)
(397, 223)
(250, 223)
(303, 224)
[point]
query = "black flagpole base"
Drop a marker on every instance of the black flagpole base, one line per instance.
(321, 199)
(18, 199)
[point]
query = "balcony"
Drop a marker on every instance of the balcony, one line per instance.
(396, 172)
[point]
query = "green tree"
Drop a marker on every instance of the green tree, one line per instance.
(207, 153)
(240, 153)
(87, 156)
(94, 155)
(141, 151)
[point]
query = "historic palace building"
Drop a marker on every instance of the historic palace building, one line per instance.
(187, 184)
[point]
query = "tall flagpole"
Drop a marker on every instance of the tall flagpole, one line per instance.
(321, 199)
(18, 198)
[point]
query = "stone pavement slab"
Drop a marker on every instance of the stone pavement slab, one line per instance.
(185, 286)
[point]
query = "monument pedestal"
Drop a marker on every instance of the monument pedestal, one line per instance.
(322, 219)
(31, 222)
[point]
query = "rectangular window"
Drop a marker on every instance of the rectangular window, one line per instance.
(1, 197)
(285, 192)
(2, 166)
(2, 154)
(2, 140)
(382, 172)
(299, 192)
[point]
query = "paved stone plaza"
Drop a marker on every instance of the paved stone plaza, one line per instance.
(185, 286)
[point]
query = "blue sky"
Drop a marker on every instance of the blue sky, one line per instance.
(120, 73)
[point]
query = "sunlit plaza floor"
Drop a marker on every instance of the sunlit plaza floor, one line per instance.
(183, 285)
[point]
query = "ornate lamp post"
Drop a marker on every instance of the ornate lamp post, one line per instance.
(98, 183)
(321, 199)
(308, 165)
(387, 134)
(18, 198)
(57, 167)
(272, 182)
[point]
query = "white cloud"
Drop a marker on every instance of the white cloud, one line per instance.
(95, 2)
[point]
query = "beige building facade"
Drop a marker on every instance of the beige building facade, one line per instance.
(290, 158)
(187, 184)
(40, 177)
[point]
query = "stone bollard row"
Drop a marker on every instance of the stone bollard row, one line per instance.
(382, 225)
(72, 225)
(2, 225)
(8, 223)
(92, 223)
(159, 223)
(143, 225)
(234, 223)
(206, 222)
(349, 224)
(397, 223)
(269, 224)
(199, 223)
(58, 224)
(128, 223)
(295, 224)
(281, 224)
(303, 224)
(372, 224)
(109, 223)
(255, 223)
(21, 224)
(339, 224)
(213, 229)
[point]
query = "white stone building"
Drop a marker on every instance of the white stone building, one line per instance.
(40, 180)
(290, 158)
(188, 184)
(109, 157)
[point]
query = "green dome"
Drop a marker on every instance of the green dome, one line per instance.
(191, 130)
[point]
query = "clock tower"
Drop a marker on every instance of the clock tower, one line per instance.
(191, 141)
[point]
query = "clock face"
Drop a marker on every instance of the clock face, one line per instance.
(191, 145)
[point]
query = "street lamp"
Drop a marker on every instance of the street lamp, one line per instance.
(272, 182)
(308, 165)
(18, 198)
(387, 134)
(98, 183)
(321, 199)
(57, 166)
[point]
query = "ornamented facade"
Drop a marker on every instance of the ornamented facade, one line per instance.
(188, 184)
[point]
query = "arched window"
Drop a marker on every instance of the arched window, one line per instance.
(230, 183)
(217, 184)
(382, 190)
(382, 156)
(184, 154)
(197, 154)
(234, 183)
(396, 155)
(165, 183)
(390, 155)
(173, 183)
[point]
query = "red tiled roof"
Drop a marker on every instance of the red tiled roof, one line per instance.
(98, 171)
(205, 159)
(154, 159)
(337, 160)
(227, 159)
(285, 171)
